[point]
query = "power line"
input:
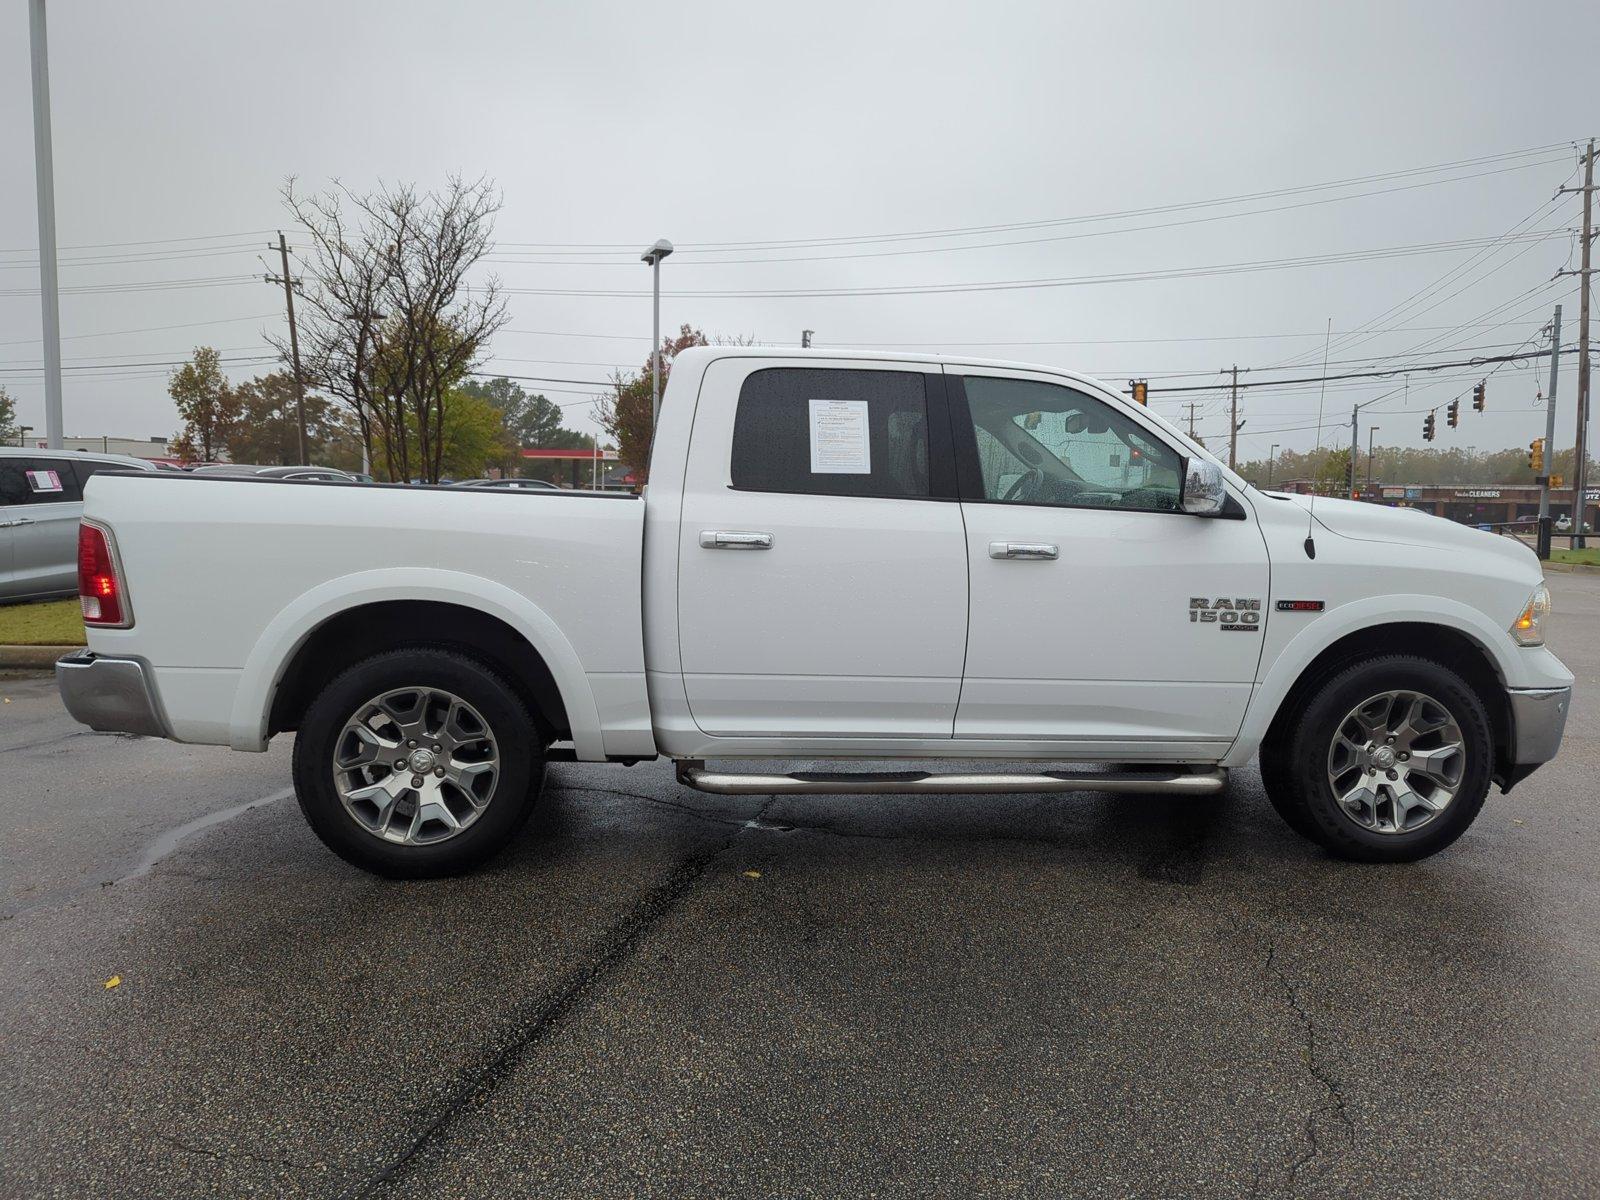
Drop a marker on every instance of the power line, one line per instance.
(1379, 253)
(203, 237)
(974, 230)
(151, 285)
(1067, 237)
(1387, 373)
(146, 329)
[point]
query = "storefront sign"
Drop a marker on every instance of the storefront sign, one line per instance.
(1479, 493)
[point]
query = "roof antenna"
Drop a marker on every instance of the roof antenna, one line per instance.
(1311, 509)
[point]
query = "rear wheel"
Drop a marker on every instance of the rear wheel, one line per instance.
(1388, 761)
(417, 763)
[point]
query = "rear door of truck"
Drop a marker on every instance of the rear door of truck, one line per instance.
(822, 557)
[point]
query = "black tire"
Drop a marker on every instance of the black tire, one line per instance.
(517, 739)
(1295, 768)
(1276, 778)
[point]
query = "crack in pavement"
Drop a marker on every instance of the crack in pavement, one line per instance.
(1309, 1057)
(538, 1021)
(242, 1155)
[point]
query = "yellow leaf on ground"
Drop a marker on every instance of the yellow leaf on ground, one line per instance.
(114, 981)
(752, 874)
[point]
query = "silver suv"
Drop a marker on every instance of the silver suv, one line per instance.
(41, 499)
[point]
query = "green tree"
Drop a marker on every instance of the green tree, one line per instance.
(268, 427)
(1333, 476)
(472, 436)
(531, 419)
(206, 405)
(9, 433)
(532, 422)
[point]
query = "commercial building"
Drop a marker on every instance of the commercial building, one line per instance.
(1470, 504)
(153, 448)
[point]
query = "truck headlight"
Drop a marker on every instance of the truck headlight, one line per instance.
(1528, 628)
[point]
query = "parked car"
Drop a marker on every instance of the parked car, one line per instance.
(863, 557)
(41, 499)
(304, 473)
(1564, 525)
(514, 485)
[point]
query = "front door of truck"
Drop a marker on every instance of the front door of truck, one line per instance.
(1103, 617)
(822, 569)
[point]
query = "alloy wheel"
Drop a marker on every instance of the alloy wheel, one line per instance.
(416, 766)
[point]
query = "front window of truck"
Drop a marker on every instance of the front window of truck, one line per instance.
(1042, 443)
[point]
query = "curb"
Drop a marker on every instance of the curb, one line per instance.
(32, 658)
(1572, 568)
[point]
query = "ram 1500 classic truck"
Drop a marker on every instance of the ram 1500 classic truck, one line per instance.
(838, 556)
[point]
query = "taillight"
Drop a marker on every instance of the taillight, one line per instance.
(100, 590)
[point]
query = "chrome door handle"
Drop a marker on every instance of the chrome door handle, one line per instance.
(18, 521)
(1028, 550)
(721, 539)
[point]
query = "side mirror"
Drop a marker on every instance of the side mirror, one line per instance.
(1203, 491)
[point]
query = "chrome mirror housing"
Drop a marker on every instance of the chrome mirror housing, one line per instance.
(1203, 491)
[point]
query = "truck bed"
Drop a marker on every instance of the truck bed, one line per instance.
(226, 577)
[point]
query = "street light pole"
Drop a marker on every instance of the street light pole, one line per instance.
(653, 256)
(45, 189)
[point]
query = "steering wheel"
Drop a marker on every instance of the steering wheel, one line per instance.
(1026, 487)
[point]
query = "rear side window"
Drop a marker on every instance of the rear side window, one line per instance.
(832, 433)
(85, 467)
(38, 481)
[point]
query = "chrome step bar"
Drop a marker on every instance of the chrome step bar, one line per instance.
(1164, 782)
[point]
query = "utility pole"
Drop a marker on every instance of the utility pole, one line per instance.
(294, 346)
(1271, 462)
(1579, 459)
(1192, 406)
(45, 192)
(805, 338)
(1371, 429)
(1543, 539)
(1234, 424)
(1355, 439)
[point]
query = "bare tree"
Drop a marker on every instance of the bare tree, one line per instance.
(391, 324)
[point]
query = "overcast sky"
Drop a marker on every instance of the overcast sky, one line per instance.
(610, 125)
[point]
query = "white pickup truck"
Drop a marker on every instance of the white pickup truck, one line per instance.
(859, 557)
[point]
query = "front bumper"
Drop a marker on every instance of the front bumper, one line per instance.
(1538, 719)
(111, 695)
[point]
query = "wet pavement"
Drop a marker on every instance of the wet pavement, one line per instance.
(658, 992)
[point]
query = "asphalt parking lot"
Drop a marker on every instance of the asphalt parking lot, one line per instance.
(657, 992)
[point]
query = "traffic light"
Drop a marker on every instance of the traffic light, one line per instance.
(1427, 428)
(1140, 389)
(1452, 413)
(1536, 456)
(1477, 396)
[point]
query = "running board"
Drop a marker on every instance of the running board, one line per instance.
(692, 773)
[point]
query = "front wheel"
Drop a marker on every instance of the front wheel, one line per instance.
(1389, 761)
(417, 763)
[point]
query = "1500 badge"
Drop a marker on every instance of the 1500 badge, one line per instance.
(1231, 615)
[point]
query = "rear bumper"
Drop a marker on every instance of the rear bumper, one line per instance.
(111, 695)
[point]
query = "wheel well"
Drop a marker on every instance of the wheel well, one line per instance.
(1445, 646)
(359, 633)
